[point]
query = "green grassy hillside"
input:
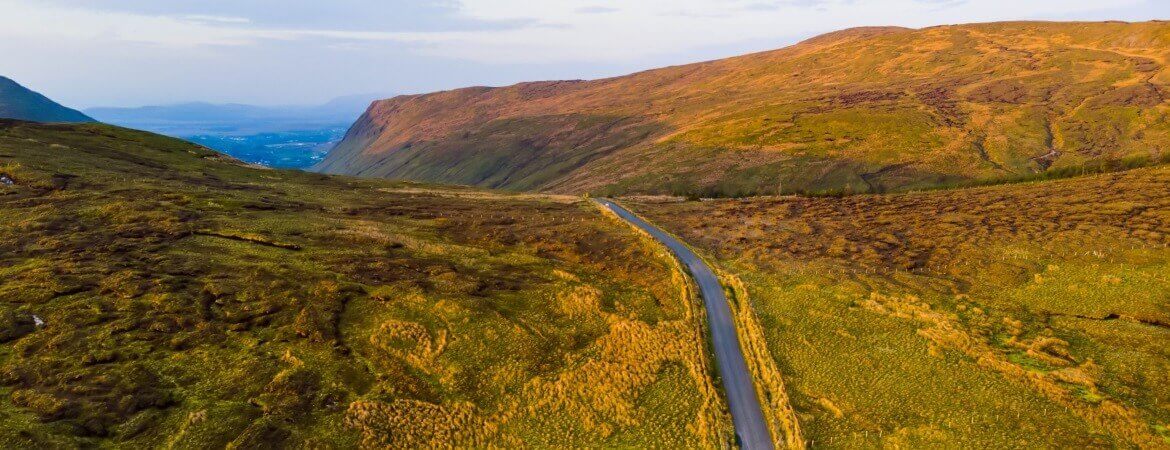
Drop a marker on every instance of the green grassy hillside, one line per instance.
(18, 102)
(862, 110)
(1026, 315)
(154, 293)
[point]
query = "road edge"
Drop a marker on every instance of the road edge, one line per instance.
(782, 422)
(770, 387)
(697, 316)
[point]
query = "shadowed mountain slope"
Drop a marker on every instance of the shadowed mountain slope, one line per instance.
(21, 103)
(868, 109)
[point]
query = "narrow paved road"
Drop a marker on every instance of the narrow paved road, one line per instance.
(746, 414)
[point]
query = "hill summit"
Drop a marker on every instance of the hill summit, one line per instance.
(21, 103)
(859, 110)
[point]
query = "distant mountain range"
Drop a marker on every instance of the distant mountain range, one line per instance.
(21, 103)
(860, 110)
(192, 119)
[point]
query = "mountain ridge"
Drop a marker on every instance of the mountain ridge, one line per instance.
(858, 110)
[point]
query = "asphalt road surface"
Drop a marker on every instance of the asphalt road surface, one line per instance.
(746, 414)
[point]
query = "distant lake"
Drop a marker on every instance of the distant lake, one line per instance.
(299, 149)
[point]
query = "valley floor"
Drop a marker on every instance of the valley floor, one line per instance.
(1011, 316)
(155, 293)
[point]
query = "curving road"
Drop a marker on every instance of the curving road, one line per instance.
(746, 414)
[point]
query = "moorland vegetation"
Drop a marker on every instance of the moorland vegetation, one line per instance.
(156, 293)
(1032, 314)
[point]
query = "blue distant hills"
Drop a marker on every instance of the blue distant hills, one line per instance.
(188, 119)
(276, 136)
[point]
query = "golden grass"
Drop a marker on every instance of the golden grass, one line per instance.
(977, 317)
(782, 421)
(782, 417)
(155, 294)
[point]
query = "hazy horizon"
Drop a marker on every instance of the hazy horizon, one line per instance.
(129, 53)
(195, 102)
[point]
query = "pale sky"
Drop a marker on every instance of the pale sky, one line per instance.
(135, 52)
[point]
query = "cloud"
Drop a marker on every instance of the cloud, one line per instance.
(596, 10)
(547, 31)
(215, 19)
(119, 51)
(55, 23)
(381, 15)
(25, 19)
(655, 27)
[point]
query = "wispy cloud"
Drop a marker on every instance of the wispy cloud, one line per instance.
(216, 19)
(548, 31)
(252, 51)
(654, 27)
(595, 9)
(181, 31)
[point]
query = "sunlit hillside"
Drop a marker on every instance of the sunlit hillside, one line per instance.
(861, 110)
